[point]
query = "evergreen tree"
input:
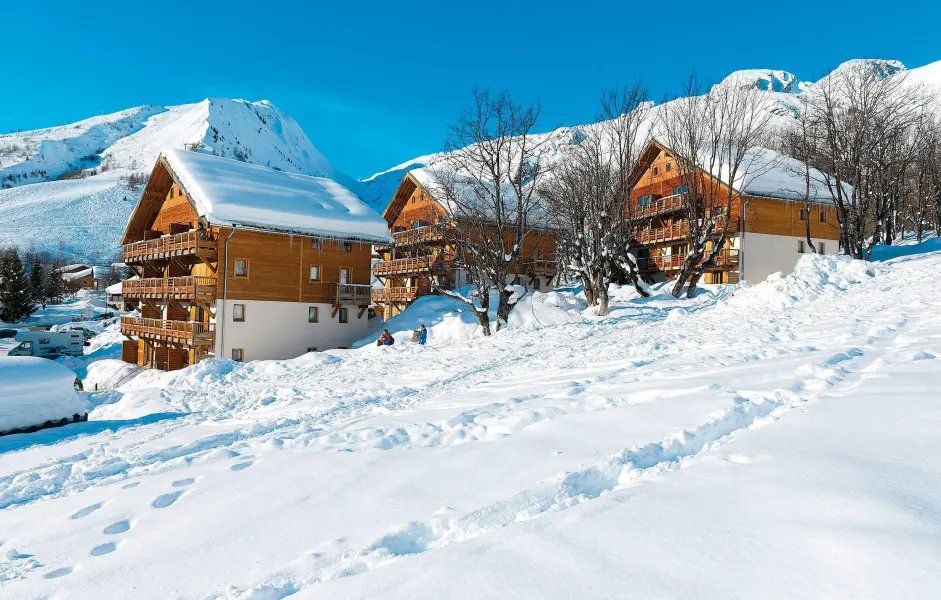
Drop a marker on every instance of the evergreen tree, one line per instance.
(15, 302)
(37, 283)
(54, 288)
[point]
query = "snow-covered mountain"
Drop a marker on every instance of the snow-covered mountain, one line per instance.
(70, 189)
(783, 90)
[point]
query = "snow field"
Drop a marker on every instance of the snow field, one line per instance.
(527, 458)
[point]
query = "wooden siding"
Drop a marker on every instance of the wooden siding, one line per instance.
(279, 266)
(780, 217)
(176, 209)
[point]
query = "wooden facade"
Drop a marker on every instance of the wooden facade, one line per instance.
(188, 266)
(422, 253)
(658, 206)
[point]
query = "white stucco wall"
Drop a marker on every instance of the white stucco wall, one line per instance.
(278, 330)
(764, 254)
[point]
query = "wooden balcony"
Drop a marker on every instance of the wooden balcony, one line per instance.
(419, 235)
(660, 206)
(658, 235)
(189, 288)
(672, 262)
(398, 294)
(197, 243)
(184, 333)
(353, 293)
(405, 266)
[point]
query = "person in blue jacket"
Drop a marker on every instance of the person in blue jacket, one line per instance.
(422, 334)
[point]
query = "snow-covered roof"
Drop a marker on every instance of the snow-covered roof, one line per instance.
(72, 267)
(77, 274)
(464, 191)
(229, 192)
(771, 174)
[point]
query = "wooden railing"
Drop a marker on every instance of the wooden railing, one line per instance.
(660, 206)
(353, 293)
(187, 333)
(171, 288)
(188, 243)
(663, 234)
(398, 294)
(397, 266)
(726, 258)
(418, 235)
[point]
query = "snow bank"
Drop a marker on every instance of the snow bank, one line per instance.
(108, 373)
(814, 275)
(35, 390)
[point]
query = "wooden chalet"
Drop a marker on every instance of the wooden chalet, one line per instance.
(240, 261)
(422, 253)
(767, 230)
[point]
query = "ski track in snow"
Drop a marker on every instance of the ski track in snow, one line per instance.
(821, 347)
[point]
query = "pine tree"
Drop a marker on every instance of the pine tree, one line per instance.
(54, 288)
(15, 303)
(37, 283)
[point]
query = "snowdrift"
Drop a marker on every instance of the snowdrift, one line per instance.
(35, 390)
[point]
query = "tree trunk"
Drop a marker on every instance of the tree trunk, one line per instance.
(603, 299)
(483, 314)
(693, 283)
(684, 274)
(589, 290)
(503, 308)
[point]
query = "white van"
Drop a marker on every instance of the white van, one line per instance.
(48, 344)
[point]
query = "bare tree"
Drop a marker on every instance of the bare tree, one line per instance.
(715, 139)
(490, 179)
(861, 127)
(587, 197)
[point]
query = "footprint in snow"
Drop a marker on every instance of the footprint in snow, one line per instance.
(117, 527)
(101, 550)
(87, 510)
(61, 572)
(130, 485)
(241, 466)
(183, 482)
(165, 500)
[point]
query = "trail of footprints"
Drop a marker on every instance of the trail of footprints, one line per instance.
(122, 526)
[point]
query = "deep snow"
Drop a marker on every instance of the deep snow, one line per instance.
(773, 441)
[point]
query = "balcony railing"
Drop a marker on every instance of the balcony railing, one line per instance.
(398, 294)
(189, 243)
(660, 206)
(404, 266)
(675, 231)
(191, 288)
(670, 262)
(353, 293)
(419, 235)
(185, 333)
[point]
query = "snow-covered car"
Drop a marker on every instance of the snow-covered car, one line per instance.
(37, 393)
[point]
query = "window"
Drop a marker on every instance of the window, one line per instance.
(802, 214)
(346, 246)
(344, 275)
(669, 166)
(823, 216)
(312, 349)
(313, 314)
(316, 244)
(241, 267)
(681, 189)
(822, 247)
(536, 283)
(416, 224)
(238, 313)
(656, 170)
(344, 315)
(314, 273)
(644, 201)
(800, 247)
(238, 354)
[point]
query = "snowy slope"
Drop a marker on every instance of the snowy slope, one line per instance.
(83, 218)
(636, 456)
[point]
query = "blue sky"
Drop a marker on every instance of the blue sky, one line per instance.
(376, 83)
